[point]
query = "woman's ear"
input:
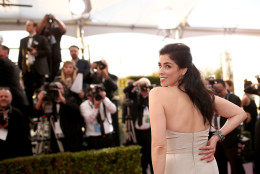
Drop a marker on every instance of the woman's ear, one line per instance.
(183, 71)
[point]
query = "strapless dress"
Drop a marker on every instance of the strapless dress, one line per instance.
(182, 156)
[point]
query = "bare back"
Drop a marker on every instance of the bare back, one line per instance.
(180, 113)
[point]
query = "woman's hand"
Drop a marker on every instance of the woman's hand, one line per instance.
(209, 150)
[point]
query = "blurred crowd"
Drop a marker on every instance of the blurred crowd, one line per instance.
(242, 145)
(48, 109)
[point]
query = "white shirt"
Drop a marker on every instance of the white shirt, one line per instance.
(89, 113)
(31, 58)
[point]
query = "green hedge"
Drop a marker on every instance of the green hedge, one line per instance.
(118, 160)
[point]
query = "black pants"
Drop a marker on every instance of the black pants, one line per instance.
(32, 81)
(99, 142)
(54, 69)
(144, 139)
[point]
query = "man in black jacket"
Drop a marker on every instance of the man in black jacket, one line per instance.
(68, 121)
(9, 75)
(33, 52)
(228, 149)
(14, 140)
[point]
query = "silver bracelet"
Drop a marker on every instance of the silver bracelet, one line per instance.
(220, 135)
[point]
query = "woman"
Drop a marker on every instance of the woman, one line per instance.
(181, 114)
(249, 106)
(68, 73)
(68, 76)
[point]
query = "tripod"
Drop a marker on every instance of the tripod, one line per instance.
(130, 126)
(44, 129)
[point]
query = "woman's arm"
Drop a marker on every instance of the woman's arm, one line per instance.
(158, 128)
(235, 114)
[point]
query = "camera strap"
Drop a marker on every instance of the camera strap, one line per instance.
(100, 121)
(105, 113)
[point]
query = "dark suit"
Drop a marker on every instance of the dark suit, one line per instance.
(228, 149)
(17, 142)
(83, 66)
(9, 75)
(33, 75)
(70, 123)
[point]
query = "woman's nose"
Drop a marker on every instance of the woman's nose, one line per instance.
(160, 71)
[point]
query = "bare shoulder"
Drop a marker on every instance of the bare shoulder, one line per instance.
(156, 91)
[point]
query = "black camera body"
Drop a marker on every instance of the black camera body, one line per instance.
(51, 92)
(145, 88)
(212, 83)
(34, 45)
(100, 65)
(50, 19)
(96, 88)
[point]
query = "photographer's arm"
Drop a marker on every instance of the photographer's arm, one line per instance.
(88, 113)
(110, 84)
(110, 106)
(129, 91)
(42, 24)
(252, 89)
(61, 25)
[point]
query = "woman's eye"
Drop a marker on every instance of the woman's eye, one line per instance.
(167, 66)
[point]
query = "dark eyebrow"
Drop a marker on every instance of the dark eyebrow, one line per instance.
(166, 63)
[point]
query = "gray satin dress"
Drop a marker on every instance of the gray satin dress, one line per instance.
(182, 156)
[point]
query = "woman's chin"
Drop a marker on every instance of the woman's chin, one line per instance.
(163, 85)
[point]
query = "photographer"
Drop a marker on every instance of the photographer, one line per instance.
(33, 52)
(99, 73)
(138, 92)
(96, 112)
(66, 113)
(14, 138)
(52, 28)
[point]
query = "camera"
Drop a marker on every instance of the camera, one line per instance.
(3, 118)
(34, 45)
(212, 83)
(50, 19)
(51, 92)
(100, 65)
(96, 88)
(144, 88)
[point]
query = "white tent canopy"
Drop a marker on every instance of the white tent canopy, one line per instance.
(196, 17)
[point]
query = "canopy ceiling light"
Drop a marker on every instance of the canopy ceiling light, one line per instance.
(77, 7)
(166, 19)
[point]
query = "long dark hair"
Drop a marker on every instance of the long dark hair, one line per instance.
(201, 97)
